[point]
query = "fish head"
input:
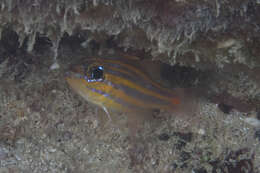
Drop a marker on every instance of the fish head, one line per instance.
(84, 78)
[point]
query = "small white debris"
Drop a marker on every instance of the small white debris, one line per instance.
(54, 91)
(3, 153)
(226, 43)
(31, 42)
(201, 132)
(84, 44)
(18, 157)
(95, 3)
(55, 66)
(52, 150)
(95, 124)
(252, 121)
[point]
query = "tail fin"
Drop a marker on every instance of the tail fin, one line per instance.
(186, 102)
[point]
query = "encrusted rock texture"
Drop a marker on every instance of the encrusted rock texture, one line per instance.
(46, 127)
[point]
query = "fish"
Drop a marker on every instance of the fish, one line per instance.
(121, 84)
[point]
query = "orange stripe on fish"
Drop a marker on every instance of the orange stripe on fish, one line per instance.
(100, 97)
(124, 82)
(111, 96)
(133, 69)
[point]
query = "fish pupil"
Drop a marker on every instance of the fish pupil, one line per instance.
(97, 72)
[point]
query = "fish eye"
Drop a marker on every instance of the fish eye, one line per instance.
(97, 72)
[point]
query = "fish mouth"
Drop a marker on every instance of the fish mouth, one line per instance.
(75, 69)
(74, 72)
(71, 74)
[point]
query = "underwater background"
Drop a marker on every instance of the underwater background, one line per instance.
(210, 48)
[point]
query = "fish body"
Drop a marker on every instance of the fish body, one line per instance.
(120, 84)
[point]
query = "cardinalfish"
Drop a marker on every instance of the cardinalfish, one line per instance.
(120, 84)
